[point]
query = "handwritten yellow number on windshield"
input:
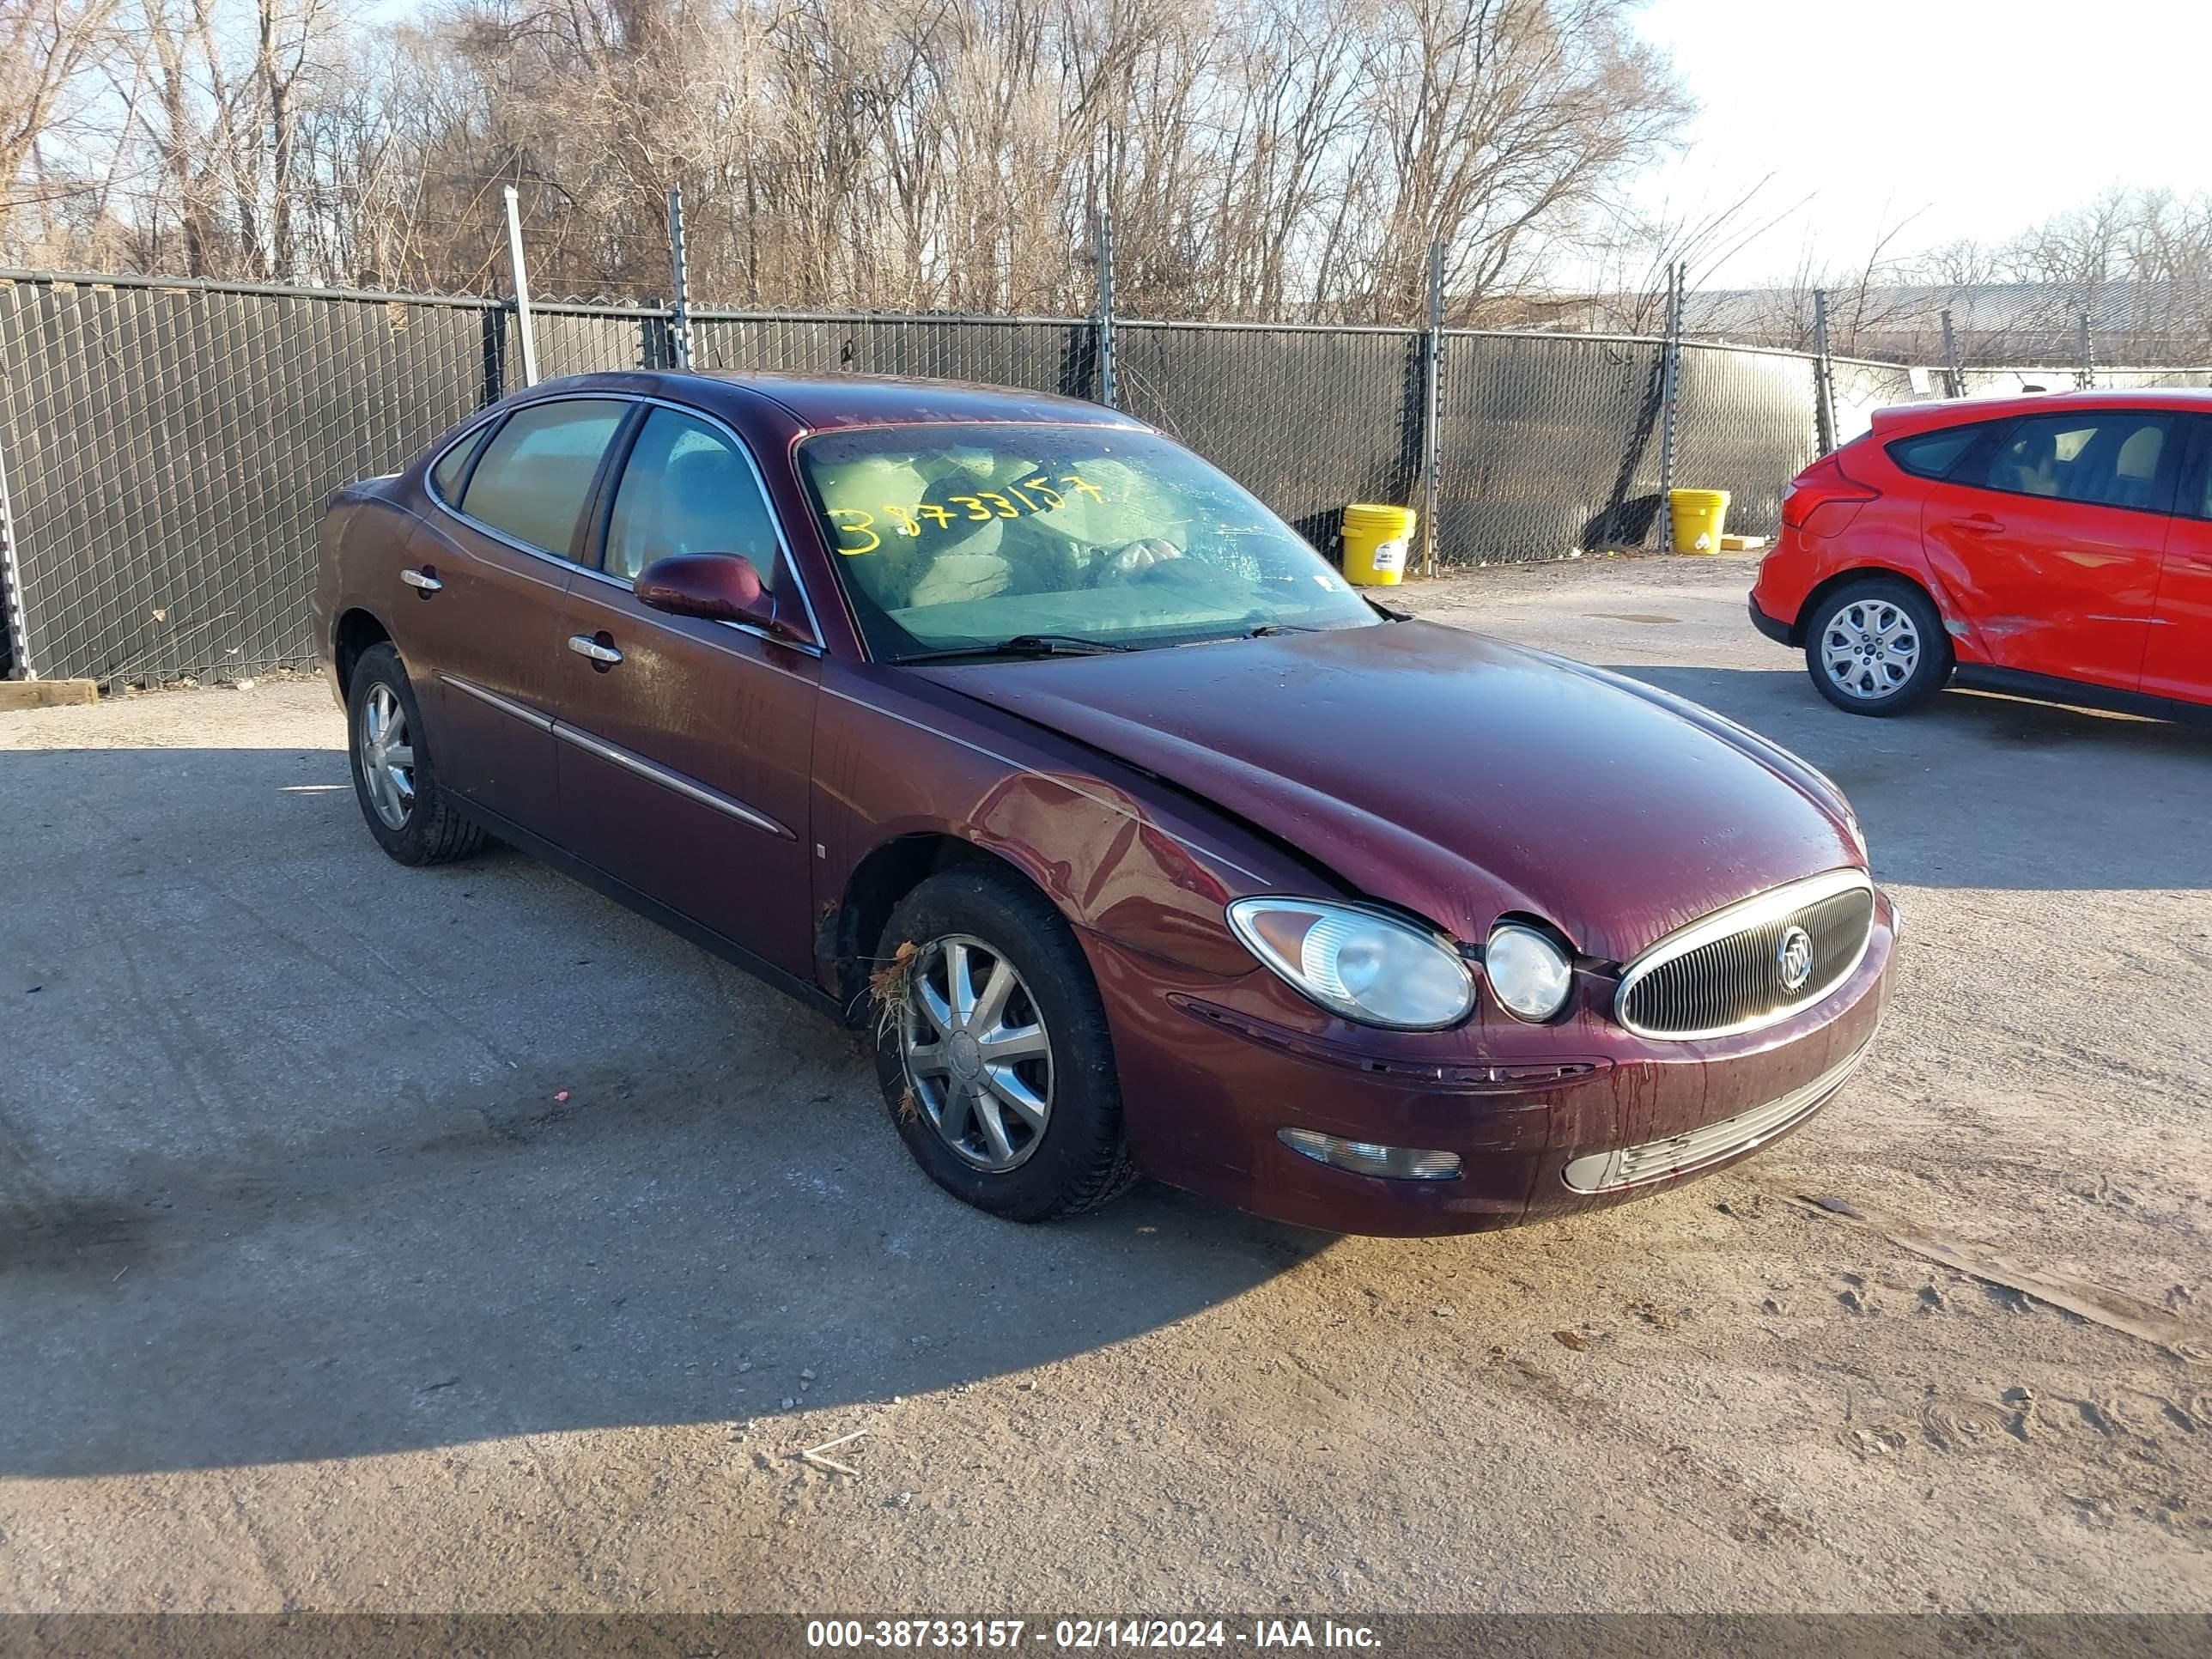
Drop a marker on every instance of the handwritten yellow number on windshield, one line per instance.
(1005, 507)
(1090, 490)
(934, 513)
(859, 528)
(975, 509)
(1043, 488)
(906, 526)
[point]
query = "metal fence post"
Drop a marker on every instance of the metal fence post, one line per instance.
(521, 287)
(1103, 264)
(494, 338)
(17, 654)
(1670, 375)
(1432, 377)
(2086, 376)
(680, 315)
(1952, 372)
(1824, 376)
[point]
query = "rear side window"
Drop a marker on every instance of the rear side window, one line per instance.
(1933, 454)
(537, 472)
(2101, 458)
(453, 465)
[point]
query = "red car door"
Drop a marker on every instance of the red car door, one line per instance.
(2178, 662)
(485, 641)
(685, 746)
(2049, 541)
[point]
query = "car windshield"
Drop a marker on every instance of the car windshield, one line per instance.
(959, 538)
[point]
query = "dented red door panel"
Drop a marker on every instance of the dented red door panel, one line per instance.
(2048, 587)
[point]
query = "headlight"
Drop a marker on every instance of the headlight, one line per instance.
(1528, 975)
(1359, 962)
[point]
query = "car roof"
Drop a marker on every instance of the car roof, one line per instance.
(2186, 398)
(844, 400)
(1897, 419)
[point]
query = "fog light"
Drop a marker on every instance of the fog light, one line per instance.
(1368, 1158)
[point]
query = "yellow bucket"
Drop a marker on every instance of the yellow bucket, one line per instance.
(1377, 538)
(1698, 515)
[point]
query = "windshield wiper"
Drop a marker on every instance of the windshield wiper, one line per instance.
(1025, 645)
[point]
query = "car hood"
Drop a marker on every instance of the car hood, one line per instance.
(1453, 775)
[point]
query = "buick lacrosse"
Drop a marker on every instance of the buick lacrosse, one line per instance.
(1015, 733)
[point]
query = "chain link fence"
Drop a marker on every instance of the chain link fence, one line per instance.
(166, 447)
(168, 452)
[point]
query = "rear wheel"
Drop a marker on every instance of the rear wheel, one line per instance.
(393, 776)
(1876, 647)
(992, 1051)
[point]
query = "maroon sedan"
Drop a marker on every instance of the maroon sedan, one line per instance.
(1005, 727)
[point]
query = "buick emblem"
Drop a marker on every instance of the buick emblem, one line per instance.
(1794, 957)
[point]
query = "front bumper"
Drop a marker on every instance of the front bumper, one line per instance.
(1609, 1116)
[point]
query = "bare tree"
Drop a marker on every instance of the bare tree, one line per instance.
(49, 50)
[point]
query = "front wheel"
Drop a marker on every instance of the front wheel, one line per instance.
(1876, 647)
(993, 1051)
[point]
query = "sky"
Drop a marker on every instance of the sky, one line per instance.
(1963, 118)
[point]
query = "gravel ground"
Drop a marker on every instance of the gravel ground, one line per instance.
(373, 1238)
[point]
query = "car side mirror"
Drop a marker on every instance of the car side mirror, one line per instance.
(719, 587)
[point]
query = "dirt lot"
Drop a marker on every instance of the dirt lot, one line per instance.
(376, 1238)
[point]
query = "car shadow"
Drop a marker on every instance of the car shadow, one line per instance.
(1978, 790)
(304, 1155)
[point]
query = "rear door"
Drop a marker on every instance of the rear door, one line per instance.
(686, 755)
(2179, 661)
(2049, 538)
(497, 548)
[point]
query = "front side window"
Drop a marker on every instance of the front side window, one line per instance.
(537, 472)
(953, 537)
(686, 489)
(2106, 458)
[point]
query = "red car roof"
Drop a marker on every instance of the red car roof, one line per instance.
(1950, 411)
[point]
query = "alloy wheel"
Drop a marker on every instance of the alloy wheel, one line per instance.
(387, 756)
(977, 1055)
(1871, 649)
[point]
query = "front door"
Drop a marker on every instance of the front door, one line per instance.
(486, 642)
(2050, 537)
(685, 746)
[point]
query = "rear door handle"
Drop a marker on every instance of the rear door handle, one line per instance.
(1978, 524)
(585, 646)
(425, 578)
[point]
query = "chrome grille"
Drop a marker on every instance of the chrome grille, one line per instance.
(1654, 1160)
(1731, 971)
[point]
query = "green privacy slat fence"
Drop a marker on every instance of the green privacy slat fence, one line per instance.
(166, 447)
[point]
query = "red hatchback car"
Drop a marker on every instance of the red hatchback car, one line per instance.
(2054, 546)
(1007, 729)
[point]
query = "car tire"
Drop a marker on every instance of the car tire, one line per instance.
(394, 780)
(966, 1117)
(1877, 647)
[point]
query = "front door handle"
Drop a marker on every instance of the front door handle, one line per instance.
(597, 650)
(1978, 524)
(425, 580)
